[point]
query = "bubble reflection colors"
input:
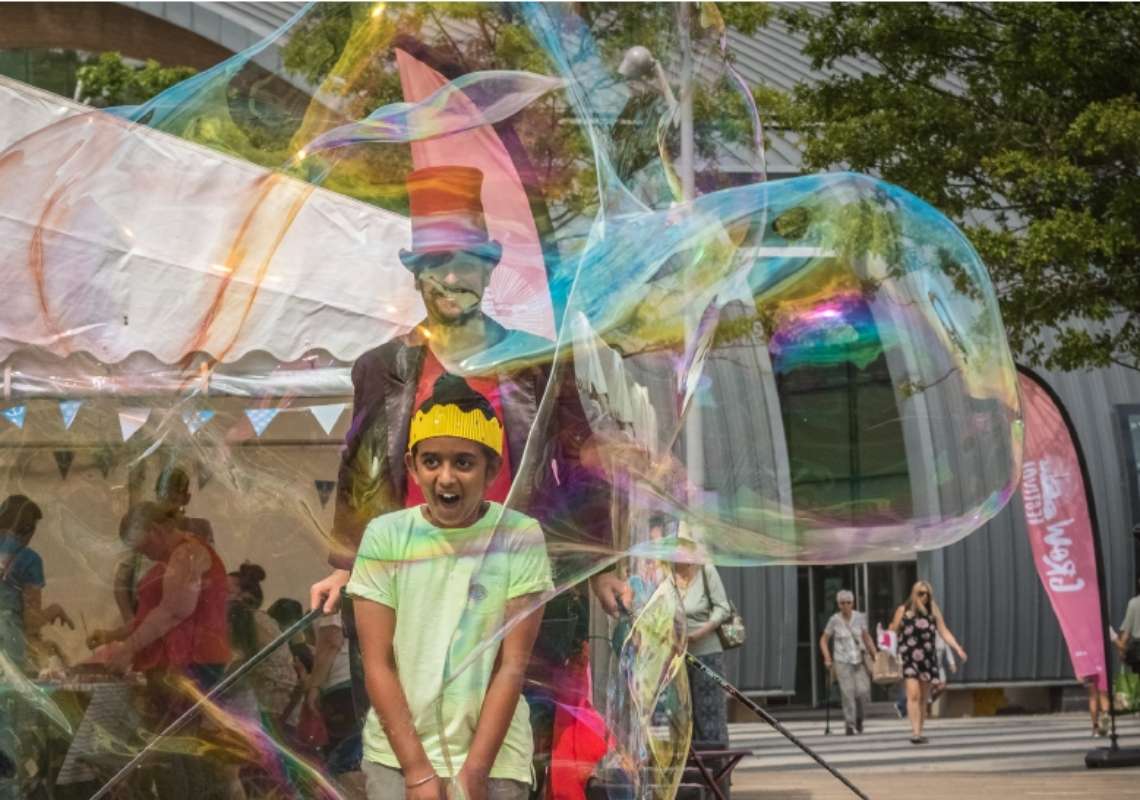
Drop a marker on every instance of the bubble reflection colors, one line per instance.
(803, 371)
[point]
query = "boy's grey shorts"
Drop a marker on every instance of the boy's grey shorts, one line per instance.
(385, 783)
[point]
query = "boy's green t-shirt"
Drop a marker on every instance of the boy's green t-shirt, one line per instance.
(449, 588)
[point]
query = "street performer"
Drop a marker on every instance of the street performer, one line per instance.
(452, 258)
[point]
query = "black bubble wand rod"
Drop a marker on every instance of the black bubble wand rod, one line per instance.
(219, 689)
(761, 712)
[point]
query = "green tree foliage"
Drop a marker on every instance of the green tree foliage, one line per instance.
(111, 81)
(1019, 121)
(482, 36)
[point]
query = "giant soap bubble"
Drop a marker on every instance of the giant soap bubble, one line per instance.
(206, 291)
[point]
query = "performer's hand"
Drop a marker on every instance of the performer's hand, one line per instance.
(326, 593)
(612, 592)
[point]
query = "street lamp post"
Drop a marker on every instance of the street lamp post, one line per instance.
(639, 63)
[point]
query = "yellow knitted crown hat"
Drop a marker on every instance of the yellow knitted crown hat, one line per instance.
(455, 409)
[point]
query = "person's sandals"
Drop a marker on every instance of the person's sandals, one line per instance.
(918, 740)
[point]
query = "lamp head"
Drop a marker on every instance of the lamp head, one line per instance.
(637, 63)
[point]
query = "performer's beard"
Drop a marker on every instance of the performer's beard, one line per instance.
(467, 302)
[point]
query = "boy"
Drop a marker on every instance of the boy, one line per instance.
(436, 585)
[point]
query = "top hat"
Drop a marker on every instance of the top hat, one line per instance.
(447, 215)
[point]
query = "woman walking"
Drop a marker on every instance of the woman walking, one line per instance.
(916, 622)
(848, 632)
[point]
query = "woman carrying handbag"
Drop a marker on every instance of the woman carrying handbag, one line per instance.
(706, 609)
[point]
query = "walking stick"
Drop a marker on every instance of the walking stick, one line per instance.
(827, 706)
(216, 692)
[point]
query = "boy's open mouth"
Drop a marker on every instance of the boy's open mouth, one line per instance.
(448, 499)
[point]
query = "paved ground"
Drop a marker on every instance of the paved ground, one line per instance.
(1006, 758)
(1113, 785)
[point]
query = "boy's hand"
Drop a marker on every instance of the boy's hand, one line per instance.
(432, 790)
(326, 593)
(471, 784)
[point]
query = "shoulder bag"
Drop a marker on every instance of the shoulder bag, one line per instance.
(868, 662)
(731, 632)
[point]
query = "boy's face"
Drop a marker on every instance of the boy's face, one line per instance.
(453, 474)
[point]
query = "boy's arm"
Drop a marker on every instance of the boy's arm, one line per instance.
(503, 693)
(376, 627)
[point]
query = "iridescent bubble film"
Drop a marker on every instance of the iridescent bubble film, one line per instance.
(222, 310)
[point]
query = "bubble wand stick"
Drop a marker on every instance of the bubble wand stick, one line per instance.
(220, 689)
(756, 709)
(735, 693)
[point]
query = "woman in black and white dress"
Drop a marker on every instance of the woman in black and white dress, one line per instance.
(915, 622)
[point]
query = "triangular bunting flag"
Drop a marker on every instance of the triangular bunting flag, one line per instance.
(16, 415)
(324, 491)
(260, 418)
(68, 409)
(205, 474)
(63, 459)
(327, 415)
(194, 420)
(131, 419)
(105, 459)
